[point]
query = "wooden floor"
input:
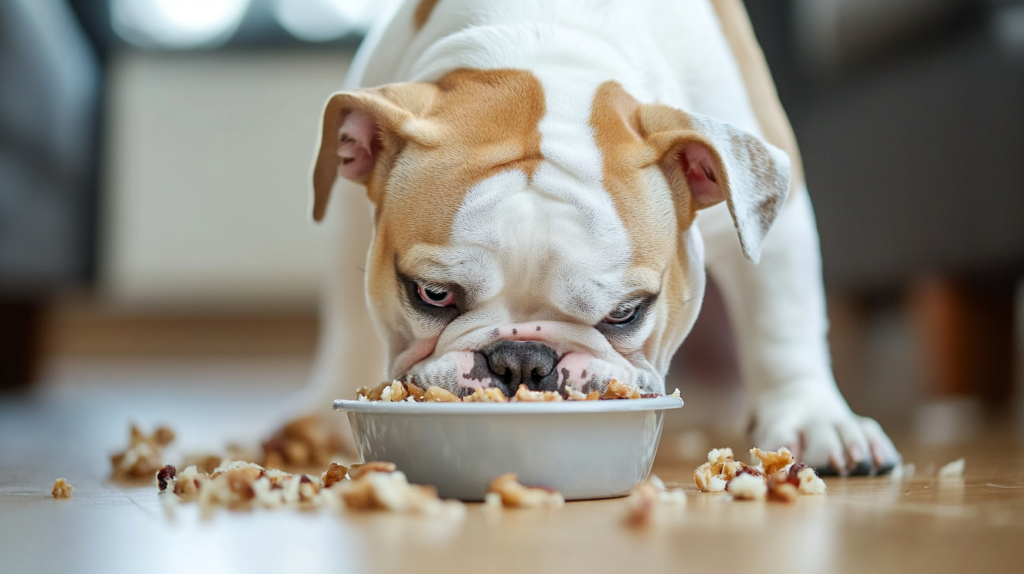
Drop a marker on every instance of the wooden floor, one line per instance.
(917, 524)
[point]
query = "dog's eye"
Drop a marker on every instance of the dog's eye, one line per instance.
(435, 297)
(622, 314)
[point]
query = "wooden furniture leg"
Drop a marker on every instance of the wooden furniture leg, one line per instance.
(20, 343)
(965, 328)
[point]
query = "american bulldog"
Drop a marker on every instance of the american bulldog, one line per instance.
(548, 181)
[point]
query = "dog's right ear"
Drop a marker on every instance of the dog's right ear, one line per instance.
(363, 130)
(710, 161)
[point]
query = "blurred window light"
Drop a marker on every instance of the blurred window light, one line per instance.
(177, 23)
(1008, 24)
(324, 20)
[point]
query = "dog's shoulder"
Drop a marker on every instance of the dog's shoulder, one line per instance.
(386, 44)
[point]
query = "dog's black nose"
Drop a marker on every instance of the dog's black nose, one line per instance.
(527, 363)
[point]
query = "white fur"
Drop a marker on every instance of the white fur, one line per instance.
(669, 51)
(550, 253)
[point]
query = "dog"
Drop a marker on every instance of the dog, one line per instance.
(547, 183)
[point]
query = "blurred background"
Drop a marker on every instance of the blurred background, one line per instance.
(154, 161)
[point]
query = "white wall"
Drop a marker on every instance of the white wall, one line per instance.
(207, 177)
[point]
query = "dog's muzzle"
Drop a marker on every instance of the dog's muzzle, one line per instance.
(514, 363)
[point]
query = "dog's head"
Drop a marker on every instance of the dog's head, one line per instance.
(522, 240)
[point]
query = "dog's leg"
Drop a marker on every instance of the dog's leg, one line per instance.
(778, 311)
(349, 352)
(778, 307)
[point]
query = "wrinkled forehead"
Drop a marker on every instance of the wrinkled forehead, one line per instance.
(542, 238)
(529, 189)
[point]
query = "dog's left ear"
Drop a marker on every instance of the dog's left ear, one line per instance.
(712, 161)
(363, 130)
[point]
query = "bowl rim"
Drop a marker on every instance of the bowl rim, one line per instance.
(548, 408)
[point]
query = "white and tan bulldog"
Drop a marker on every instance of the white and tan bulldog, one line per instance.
(548, 180)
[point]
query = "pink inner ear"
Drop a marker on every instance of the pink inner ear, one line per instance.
(699, 166)
(355, 147)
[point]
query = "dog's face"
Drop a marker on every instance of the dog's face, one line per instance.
(524, 238)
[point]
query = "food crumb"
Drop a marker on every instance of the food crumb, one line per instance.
(485, 395)
(391, 491)
(302, 443)
(524, 394)
(439, 395)
(772, 461)
(716, 484)
(492, 501)
(515, 495)
(395, 393)
(954, 469)
(720, 468)
(169, 503)
(574, 395)
(61, 489)
(647, 497)
(164, 476)
(810, 483)
(781, 488)
(356, 471)
(208, 462)
(144, 454)
(335, 473)
(902, 470)
(373, 394)
(747, 487)
(640, 504)
(619, 390)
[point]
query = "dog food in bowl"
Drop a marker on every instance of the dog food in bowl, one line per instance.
(584, 449)
(397, 391)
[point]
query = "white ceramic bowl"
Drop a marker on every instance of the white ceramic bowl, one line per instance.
(584, 449)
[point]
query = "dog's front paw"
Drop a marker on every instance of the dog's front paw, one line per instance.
(821, 431)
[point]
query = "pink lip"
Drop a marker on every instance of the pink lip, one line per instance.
(412, 356)
(573, 369)
(534, 331)
(466, 360)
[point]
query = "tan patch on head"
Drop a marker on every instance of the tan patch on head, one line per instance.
(676, 293)
(432, 142)
(760, 87)
(422, 13)
(482, 122)
(618, 134)
(479, 123)
(621, 131)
